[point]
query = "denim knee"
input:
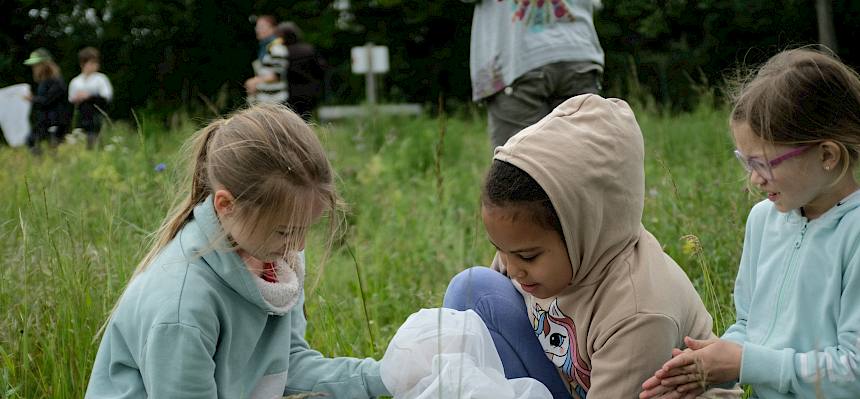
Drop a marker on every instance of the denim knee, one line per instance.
(470, 285)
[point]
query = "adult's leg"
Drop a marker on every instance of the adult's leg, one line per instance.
(567, 79)
(493, 297)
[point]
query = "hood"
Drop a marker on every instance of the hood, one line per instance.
(588, 155)
(209, 242)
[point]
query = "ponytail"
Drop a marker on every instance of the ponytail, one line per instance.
(273, 164)
(181, 212)
(199, 190)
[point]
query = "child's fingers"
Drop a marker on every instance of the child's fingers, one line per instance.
(673, 394)
(696, 344)
(655, 392)
(681, 360)
(652, 382)
(693, 388)
(678, 352)
(680, 379)
(688, 369)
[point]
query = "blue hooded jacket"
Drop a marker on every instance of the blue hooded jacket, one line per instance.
(194, 324)
(797, 297)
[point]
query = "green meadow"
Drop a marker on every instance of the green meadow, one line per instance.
(74, 223)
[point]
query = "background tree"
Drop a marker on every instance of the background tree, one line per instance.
(171, 55)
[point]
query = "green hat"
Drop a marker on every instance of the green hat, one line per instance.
(40, 55)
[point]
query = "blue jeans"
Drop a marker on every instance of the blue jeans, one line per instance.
(493, 297)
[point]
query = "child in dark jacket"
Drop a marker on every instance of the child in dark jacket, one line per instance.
(51, 110)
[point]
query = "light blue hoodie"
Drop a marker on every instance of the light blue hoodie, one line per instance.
(198, 327)
(797, 297)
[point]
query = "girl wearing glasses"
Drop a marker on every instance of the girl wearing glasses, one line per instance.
(796, 125)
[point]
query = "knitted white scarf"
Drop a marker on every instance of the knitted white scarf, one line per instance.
(285, 293)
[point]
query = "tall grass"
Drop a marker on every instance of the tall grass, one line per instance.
(73, 224)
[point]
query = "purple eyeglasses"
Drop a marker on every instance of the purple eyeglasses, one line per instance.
(765, 168)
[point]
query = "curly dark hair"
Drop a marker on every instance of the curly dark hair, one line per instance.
(508, 185)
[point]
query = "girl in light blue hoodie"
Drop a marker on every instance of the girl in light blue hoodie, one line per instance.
(215, 309)
(796, 125)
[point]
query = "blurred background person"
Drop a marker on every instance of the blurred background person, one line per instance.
(90, 91)
(269, 84)
(305, 71)
(51, 112)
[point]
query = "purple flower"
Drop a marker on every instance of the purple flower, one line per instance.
(160, 167)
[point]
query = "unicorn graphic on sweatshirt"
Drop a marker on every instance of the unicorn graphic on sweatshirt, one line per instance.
(557, 335)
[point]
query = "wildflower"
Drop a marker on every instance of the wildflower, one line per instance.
(691, 245)
(160, 167)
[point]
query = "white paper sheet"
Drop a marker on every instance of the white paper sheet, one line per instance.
(15, 114)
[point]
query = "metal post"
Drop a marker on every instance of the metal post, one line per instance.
(370, 81)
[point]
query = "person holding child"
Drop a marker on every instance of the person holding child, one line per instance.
(215, 308)
(580, 295)
(796, 126)
(90, 91)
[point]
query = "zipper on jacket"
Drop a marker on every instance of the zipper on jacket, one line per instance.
(792, 263)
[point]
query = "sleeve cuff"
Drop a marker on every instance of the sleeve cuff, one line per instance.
(762, 365)
(374, 382)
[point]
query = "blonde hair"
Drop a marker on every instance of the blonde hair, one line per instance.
(273, 164)
(275, 167)
(802, 96)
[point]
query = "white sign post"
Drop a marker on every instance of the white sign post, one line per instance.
(370, 60)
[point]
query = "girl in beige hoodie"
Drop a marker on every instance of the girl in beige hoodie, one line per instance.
(578, 288)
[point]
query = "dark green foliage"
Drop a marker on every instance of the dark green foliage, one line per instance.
(169, 55)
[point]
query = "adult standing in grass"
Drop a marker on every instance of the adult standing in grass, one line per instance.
(796, 125)
(90, 91)
(51, 110)
(528, 56)
(215, 307)
(269, 83)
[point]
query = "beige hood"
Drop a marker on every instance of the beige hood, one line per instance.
(588, 156)
(628, 303)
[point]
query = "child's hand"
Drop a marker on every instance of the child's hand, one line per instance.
(710, 361)
(680, 377)
(80, 97)
(251, 85)
(653, 386)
